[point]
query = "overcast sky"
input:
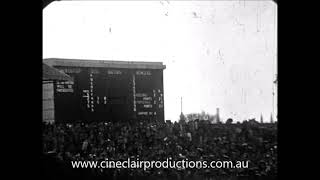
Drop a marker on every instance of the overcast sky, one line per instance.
(218, 53)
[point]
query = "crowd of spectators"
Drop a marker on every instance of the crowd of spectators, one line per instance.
(195, 140)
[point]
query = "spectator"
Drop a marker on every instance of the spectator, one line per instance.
(157, 141)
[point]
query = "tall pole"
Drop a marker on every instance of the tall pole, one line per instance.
(272, 99)
(275, 82)
(181, 105)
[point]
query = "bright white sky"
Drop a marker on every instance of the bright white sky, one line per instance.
(218, 53)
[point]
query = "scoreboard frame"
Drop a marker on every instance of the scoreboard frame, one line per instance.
(108, 91)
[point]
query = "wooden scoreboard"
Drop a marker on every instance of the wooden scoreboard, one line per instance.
(108, 91)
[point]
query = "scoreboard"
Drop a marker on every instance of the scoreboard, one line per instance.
(109, 91)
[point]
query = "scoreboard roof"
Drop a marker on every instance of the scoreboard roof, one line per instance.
(49, 73)
(104, 63)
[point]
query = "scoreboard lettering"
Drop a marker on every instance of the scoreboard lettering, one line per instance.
(65, 87)
(143, 73)
(94, 71)
(143, 102)
(114, 72)
(141, 94)
(70, 70)
(149, 103)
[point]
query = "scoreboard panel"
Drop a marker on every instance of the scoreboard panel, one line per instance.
(109, 94)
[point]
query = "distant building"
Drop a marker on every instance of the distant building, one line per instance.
(50, 77)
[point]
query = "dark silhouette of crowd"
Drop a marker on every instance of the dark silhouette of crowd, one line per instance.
(194, 140)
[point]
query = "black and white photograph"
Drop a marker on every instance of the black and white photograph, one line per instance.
(159, 90)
